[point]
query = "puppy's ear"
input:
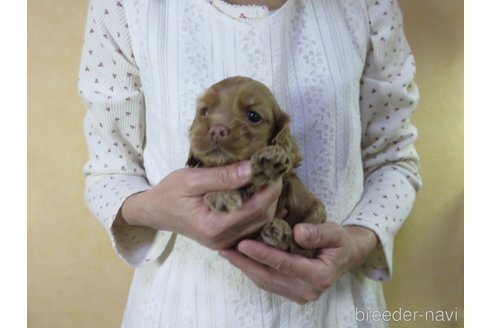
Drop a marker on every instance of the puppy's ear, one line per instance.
(282, 137)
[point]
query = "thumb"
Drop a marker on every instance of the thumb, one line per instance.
(228, 177)
(328, 234)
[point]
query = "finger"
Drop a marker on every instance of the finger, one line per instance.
(227, 228)
(271, 280)
(259, 209)
(230, 177)
(328, 234)
(265, 198)
(314, 272)
(279, 260)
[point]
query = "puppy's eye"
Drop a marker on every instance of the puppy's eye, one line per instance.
(253, 116)
(204, 111)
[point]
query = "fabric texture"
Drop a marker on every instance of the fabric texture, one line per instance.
(245, 13)
(344, 72)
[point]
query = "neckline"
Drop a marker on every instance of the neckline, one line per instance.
(242, 23)
(246, 13)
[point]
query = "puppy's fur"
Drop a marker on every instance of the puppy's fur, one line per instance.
(239, 119)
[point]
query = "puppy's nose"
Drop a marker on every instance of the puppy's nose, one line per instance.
(218, 133)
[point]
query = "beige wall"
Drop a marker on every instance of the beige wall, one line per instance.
(74, 278)
(429, 248)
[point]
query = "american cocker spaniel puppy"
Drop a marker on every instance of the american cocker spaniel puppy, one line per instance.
(239, 119)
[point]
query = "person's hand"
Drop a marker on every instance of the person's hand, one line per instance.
(176, 204)
(301, 279)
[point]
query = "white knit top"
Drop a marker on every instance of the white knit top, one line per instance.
(341, 68)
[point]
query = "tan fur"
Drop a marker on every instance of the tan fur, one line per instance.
(221, 133)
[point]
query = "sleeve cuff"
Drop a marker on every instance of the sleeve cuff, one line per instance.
(378, 264)
(136, 245)
(386, 203)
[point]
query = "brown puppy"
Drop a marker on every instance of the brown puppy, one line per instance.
(239, 119)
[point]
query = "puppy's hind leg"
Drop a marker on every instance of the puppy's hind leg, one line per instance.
(278, 234)
(223, 201)
(317, 213)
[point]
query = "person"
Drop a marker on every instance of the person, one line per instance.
(341, 69)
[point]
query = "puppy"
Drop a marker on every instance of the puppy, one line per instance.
(239, 119)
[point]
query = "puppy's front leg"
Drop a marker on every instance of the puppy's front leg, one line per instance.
(269, 164)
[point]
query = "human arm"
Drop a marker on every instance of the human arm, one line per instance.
(114, 126)
(117, 190)
(176, 204)
(388, 99)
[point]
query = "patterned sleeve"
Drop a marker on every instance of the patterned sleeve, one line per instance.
(388, 99)
(115, 130)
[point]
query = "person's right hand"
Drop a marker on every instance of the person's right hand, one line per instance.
(176, 204)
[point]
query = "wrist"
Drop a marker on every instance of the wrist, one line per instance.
(134, 210)
(363, 241)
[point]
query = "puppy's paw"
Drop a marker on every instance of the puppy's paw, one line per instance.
(223, 201)
(278, 234)
(271, 161)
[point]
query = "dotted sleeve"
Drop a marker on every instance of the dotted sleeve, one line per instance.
(387, 100)
(114, 128)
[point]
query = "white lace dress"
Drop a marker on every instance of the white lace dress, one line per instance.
(344, 72)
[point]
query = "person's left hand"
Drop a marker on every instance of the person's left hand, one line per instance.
(301, 279)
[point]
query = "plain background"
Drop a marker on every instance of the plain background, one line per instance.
(75, 278)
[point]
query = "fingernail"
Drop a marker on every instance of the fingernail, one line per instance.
(244, 171)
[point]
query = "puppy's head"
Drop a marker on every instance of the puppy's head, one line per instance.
(234, 118)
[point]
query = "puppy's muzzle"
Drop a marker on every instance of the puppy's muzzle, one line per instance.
(218, 133)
